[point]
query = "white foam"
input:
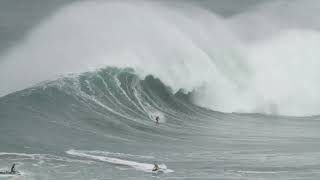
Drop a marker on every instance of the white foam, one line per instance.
(136, 165)
(188, 48)
(41, 158)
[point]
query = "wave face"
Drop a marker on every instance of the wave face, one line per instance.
(80, 95)
(186, 48)
(110, 98)
(102, 124)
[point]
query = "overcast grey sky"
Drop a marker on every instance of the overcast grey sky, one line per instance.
(18, 16)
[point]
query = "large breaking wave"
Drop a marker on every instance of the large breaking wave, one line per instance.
(189, 49)
(112, 98)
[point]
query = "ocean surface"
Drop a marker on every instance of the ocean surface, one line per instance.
(80, 93)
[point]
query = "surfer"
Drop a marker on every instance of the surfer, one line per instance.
(156, 167)
(13, 170)
(157, 119)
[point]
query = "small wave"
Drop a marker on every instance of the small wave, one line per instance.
(121, 155)
(259, 172)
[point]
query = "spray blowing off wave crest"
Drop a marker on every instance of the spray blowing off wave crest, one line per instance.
(151, 38)
(189, 48)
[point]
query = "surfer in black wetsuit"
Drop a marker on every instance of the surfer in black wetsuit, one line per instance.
(156, 167)
(13, 170)
(157, 119)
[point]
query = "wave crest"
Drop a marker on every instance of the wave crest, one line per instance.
(186, 48)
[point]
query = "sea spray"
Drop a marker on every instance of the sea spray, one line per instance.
(186, 48)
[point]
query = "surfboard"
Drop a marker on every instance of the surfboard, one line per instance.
(9, 173)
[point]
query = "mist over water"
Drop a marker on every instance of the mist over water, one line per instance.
(259, 61)
(81, 93)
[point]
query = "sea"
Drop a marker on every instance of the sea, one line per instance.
(237, 96)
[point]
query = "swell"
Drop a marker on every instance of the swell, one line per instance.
(111, 103)
(112, 108)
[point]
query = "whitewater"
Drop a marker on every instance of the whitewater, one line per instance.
(237, 97)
